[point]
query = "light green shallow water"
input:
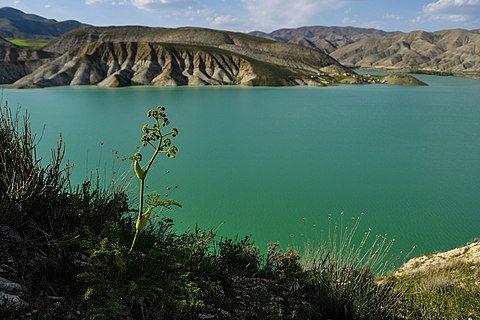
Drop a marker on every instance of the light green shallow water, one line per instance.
(274, 162)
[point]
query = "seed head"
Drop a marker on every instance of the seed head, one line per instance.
(172, 151)
(167, 142)
(136, 156)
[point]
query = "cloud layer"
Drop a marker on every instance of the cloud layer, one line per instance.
(286, 13)
(241, 14)
(454, 10)
(268, 15)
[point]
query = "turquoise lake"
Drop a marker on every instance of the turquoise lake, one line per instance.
(273, 163)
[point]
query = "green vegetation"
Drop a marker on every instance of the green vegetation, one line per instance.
(432, 72)
(29, 43)
(72, 248)
(447, 291)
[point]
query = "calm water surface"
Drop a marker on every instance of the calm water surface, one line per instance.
(273, 163)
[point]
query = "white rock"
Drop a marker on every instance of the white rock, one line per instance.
(10, 286)
(13, 300)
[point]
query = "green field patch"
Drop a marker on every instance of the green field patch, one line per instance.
(29, 43)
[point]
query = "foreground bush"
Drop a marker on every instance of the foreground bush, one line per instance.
(26, 188)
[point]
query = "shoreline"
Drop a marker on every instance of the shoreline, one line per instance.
(468, 74)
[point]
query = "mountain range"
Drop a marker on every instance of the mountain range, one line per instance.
(450, 51)
(327, 39)
(78, 54)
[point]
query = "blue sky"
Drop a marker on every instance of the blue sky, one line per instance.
(264, 15)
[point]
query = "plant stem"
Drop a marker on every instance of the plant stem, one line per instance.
(155, 154)
(140, 210)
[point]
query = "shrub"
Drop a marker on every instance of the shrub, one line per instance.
(162, 278)
(26, 188)
(238, 257)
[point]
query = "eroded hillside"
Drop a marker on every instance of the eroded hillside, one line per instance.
(16, 62)
(455, 51)
(123, 56)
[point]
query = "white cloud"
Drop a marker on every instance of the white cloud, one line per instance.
(348, 21)
(152, 5)
(221, 21)
(416, 20)
(391, 16)
(269, 14)
(92, 2)
(453, 10)
(149, 5)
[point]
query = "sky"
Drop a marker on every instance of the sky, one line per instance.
(262, 15)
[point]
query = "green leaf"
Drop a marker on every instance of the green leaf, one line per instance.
(155, 201)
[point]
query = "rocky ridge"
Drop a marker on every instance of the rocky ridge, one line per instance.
(327, 39)
(123, 56)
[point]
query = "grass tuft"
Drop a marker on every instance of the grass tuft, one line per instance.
(345, 272)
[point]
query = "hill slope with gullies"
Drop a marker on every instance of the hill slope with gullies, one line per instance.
(452, 51)
(456, 51)
(123, 56)
(16, 62)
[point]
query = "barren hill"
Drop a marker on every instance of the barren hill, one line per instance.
(122, 56)
(456, 51)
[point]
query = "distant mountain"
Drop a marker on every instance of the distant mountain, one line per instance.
(123, 56)
(455, 51)
(17, 24)
(327, 39)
